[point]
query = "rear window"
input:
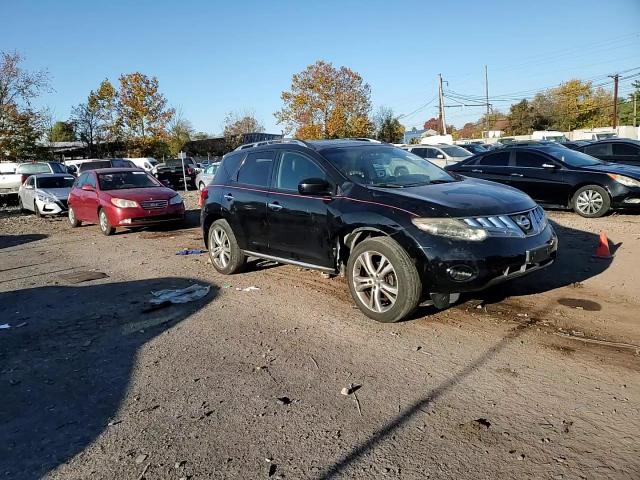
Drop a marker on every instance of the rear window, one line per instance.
(117, 163)
(495, 159)
(54, 182)
(7, 168)
(31, 168)
(597, 149)
(624, 149)
(256, 169)
(83, 167)
(123, 180)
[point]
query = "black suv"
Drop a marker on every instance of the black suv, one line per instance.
(618, 150)
(401, 229)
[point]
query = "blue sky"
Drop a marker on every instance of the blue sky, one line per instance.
(212, 57)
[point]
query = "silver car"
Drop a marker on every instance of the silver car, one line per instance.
(45, 193)
(206, 175)
(442, 155)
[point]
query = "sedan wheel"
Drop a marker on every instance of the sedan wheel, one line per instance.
(591, 201)
(221, 248)
(375, 281)
(105, 226)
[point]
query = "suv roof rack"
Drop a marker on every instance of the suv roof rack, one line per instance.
(270, 142)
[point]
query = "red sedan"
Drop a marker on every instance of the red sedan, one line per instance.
(122, 197)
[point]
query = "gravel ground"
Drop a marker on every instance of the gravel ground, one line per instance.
(539, 378)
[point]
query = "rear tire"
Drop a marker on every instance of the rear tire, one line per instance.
(105, 226)
(73, 221)
(383, 281)
(224, 252)
(591, 201)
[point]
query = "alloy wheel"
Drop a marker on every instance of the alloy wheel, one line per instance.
(104, 224)
(221, 249)
(375, 281)
(589, 202)
(72, 216)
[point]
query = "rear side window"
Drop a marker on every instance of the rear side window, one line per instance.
(498, 159)
(256, 169)
(530, 159)
(597, 149)
(624, 149)
(294, 168)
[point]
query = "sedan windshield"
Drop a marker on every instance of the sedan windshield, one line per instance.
(54, 182)
(573, 158)
(122, 180)
(382, 166)
(456, 151)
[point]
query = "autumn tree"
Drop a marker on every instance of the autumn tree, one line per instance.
(20, 124)
(326, 102)
(432, 124)
(143, 111)
(388, 127)
(180, 132)
(237, 125)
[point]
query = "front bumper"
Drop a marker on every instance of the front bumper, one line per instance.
(625, 197)
(129, 217)
(491, 261)
(52, 208)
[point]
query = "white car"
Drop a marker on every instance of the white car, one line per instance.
(441, 155)
(45, 193)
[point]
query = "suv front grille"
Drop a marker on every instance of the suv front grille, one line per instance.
(154, 204)
(521, 224)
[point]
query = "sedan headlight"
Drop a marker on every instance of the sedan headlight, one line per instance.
(175, 200)
(124, 203)
(626, 181)
(450, 228)
(43, 197)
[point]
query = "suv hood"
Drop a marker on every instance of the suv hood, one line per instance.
(464, 198)
(620, 168)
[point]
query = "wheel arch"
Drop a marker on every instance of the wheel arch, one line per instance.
(578, 186)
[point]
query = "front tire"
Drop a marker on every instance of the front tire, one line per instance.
(73, 221)
(105, 226)
(20, 205)
(224, 252)
(36, 210)
(591, 201)
(383, 280)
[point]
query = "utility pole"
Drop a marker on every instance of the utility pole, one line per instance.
(635, 100)
(441, 105)
(615, 99)
(486, 91)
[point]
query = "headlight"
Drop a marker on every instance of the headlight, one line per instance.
(450, 228)
(626, 181)
(176, 200)
(43, 197)
(122, 203)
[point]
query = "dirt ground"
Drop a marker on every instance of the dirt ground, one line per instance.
(538, 378)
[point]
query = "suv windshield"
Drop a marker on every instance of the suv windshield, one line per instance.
(573, 158)
(122, 180)
(382, 166)
(33, 168)
(456, 151)
(55, 182)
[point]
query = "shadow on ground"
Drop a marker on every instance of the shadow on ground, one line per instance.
(7, 241)
(66, 363)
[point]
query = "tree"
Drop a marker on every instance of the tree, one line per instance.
(200, 136)
(432, 124)
(143, 111)
(236, 125)
(20, 125)
(86, 118)
(326, 102)
(469, 130)
(625, 108)
(521, 118)
(62, 132)
(180, 132)
(388, 127)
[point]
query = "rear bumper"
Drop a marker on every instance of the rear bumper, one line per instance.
(127, 217)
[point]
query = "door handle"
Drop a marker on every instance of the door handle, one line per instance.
(275, 206)
(476, 170)
(228, 196)
(517, 175)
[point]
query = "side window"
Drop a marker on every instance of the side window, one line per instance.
(294, 168)
(256, 169)
(597, 149)
(91, 180)
(31, 181)
(624, 149)
(421, 152)
(57, 168)
(530, 159)
(430, 153)
(498, 159)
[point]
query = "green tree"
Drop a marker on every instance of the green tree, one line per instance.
(388, 127)
(179, 133)
(87, 121)
(62, 132)
(625, 108)
(521, 118)
(326, 102)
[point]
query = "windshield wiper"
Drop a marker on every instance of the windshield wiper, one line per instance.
(387, 185)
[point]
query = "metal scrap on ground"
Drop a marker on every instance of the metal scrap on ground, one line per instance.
(189, 294)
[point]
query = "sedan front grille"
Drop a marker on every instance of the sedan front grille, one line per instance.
(521, 224)
(154, 204)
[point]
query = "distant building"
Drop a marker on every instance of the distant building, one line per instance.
(217, 146)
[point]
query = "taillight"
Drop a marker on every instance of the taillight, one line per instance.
(23, 178)
(189, 171)
(204, 194)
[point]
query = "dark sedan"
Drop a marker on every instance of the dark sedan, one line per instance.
(558, 176)
(618, 150)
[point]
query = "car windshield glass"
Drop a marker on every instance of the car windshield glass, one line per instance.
(33, 168)
(384, 166)
(604, 136)
(573, 158)
(456, 151)
(83, 167)
(55, 182)
(122, 180)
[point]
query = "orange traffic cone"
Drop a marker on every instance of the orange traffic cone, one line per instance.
(602, 250)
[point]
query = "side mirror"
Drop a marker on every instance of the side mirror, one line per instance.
(440, 156)
(549, 166)
(88, 188)
(314, 186)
